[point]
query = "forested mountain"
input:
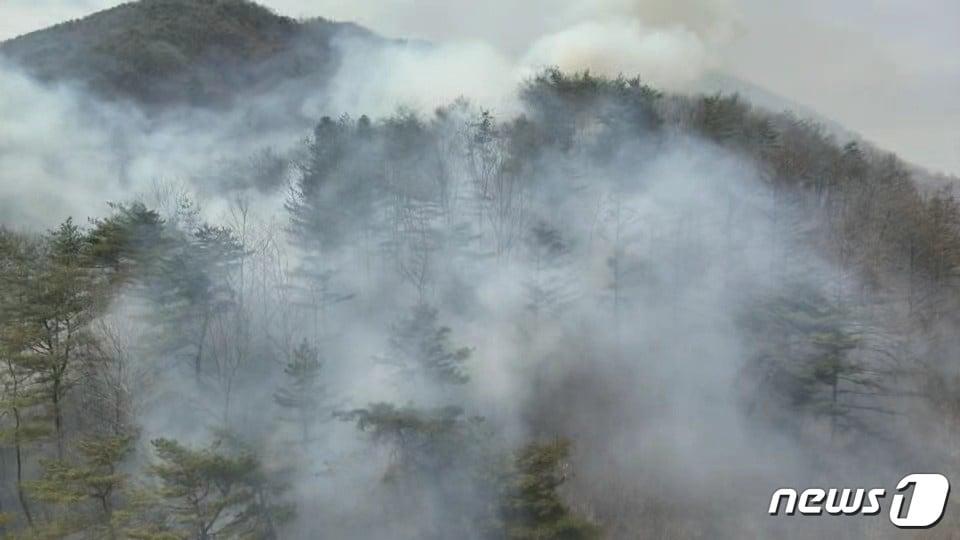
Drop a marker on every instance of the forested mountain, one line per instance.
(620, 313)
(200, 52)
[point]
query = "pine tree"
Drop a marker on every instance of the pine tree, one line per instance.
(319, 207)
(22, 397)
(62, 296)
(420, 347)
(423, 439)
(131, 244)
(213, 493)
(805, 360)
(96, 479)
(626, 272)
(431, 479)
(22, 401)
(723, 118)
(548, 288)
(303, 394)
(529, 503)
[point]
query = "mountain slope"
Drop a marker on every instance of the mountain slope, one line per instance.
(201, 52)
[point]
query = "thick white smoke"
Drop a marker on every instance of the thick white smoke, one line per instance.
(666, 57)
(482, 46)
(649, 392)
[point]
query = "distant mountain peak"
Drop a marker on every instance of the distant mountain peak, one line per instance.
(158, 52)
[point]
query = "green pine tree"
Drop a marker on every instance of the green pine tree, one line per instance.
(215, 493)
(95, 480)
(421, 347)
(60, 298)
(303, 394)
(529, 503)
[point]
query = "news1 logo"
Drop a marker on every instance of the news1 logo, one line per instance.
(919, 501)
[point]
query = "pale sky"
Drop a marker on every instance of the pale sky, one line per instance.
(887, 69)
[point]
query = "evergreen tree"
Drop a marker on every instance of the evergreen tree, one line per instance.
(212, 493)
(187, 275)
(205, 269)
(131, 244)
(303, 394)
(423, 439)
(431, 482)
(61, 299)
(529, 503)
(805, 360)
(548, 288)
(722, 118)
(96, 479)
(22, 402)
(420, 347)
(22, 397)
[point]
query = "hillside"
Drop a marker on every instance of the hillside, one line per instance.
(616, 312)
(179, 51)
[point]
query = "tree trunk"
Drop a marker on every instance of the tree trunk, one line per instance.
(58, 418)
(17, 448)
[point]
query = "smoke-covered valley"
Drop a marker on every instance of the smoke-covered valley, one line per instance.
(324, 284)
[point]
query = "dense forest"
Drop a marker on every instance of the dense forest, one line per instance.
(620, 313)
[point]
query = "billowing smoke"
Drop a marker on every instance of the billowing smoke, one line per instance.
(64, 152)
(671, 57)
(49, 132)
(587, 262)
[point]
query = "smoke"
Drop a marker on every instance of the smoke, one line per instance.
(668, 58)
(667, 45)
(109, 148)
(65, 152)
(797, 51)
(44, 140)
(642, 369)
(375, 79)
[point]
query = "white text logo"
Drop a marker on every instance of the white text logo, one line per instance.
(919, 501)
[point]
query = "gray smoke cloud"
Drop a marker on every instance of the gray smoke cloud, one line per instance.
(875, 74)
(646, 379)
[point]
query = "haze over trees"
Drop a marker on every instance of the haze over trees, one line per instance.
(601, 317)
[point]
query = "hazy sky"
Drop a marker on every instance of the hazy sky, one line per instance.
(888, 69)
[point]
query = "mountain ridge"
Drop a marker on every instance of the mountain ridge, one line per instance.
(161, 52)
(207, 53)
